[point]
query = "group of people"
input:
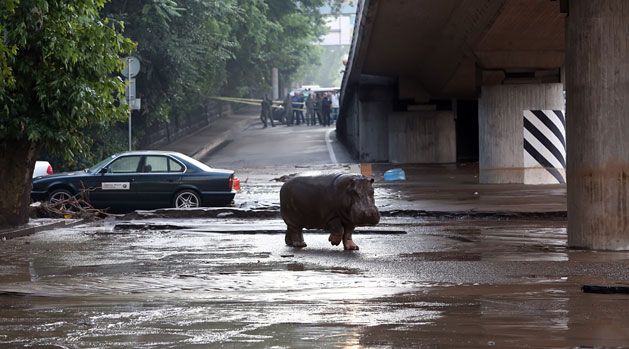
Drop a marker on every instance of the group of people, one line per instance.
(321, 107)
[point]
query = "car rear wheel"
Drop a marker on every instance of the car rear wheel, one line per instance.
(60, 196)
(187, 199)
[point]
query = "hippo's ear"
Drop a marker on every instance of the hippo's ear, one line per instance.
(371, 180)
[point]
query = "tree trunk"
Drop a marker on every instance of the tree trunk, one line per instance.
(17, 160)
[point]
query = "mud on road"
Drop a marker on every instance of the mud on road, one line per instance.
(219, 282)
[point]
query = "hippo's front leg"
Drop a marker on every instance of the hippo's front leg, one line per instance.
(294, 236)
(336, 231)
(348, 243)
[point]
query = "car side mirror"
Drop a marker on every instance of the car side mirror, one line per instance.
(103, 170)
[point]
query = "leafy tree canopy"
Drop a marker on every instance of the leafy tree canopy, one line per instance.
(193, 49)
(59, 62)
(273, 33)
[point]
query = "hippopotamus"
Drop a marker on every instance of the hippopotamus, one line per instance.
(335, 202)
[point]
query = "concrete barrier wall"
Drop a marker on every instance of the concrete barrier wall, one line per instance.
(374, 131)
(375, 104)
(422, 137)
(180, 126)
(347, 125)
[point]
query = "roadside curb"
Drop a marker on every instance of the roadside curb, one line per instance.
(32, 229)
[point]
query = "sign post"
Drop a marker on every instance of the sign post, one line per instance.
(131, 70)
(275, 81)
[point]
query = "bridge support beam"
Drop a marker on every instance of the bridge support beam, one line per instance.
(501, 128)
(597, 89)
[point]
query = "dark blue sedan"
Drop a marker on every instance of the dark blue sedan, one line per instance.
(141, 180)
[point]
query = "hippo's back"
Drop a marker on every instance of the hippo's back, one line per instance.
(309, 200)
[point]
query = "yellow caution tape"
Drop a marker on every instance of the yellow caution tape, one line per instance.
(238, 99)
(251, 101)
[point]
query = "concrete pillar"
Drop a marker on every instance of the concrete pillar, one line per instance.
(500, 122)
(597, 90)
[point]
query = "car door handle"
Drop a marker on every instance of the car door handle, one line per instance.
(170, 180)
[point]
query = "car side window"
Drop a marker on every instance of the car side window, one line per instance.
(127, 164)
(155, 164)
(174, 166)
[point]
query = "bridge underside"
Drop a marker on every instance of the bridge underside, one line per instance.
(416, 57)
(440, 81)
(442, 49)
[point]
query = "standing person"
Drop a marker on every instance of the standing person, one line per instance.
(265, 111)
(288, 110)
(326, 109)
(318, 109)
(335, 106)
(269, 109)
(295, 104)
(310, 113)
(300, 108)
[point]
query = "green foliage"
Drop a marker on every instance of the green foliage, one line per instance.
(164, 10)
(182, 46)
(7, 50)
(191, 50)
(59, 60)
(273, 33)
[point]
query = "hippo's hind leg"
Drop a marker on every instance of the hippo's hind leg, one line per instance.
(294, 236)
(336, 231)
(348, 243)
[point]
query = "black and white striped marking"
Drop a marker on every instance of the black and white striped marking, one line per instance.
(545, 141)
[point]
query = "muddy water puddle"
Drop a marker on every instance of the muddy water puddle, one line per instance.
(218, 283)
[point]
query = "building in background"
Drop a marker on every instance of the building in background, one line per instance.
(341, 27)
(334, 46)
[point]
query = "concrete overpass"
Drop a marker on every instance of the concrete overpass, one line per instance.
(510, 83)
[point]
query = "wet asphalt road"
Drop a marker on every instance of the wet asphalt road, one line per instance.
(218, 284)
(258, 147)
(415, 282)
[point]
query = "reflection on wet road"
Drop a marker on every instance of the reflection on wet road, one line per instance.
(460, 284)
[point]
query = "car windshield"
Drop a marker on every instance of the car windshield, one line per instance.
(100, 164)
(195, 162)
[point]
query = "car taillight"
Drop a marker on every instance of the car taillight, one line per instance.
(49, 170)
(234, 183)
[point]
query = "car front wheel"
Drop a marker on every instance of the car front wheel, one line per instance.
(187, 199)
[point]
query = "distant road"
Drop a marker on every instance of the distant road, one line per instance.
(281, 146)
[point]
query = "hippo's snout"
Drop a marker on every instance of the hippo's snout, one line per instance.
(370, 217)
